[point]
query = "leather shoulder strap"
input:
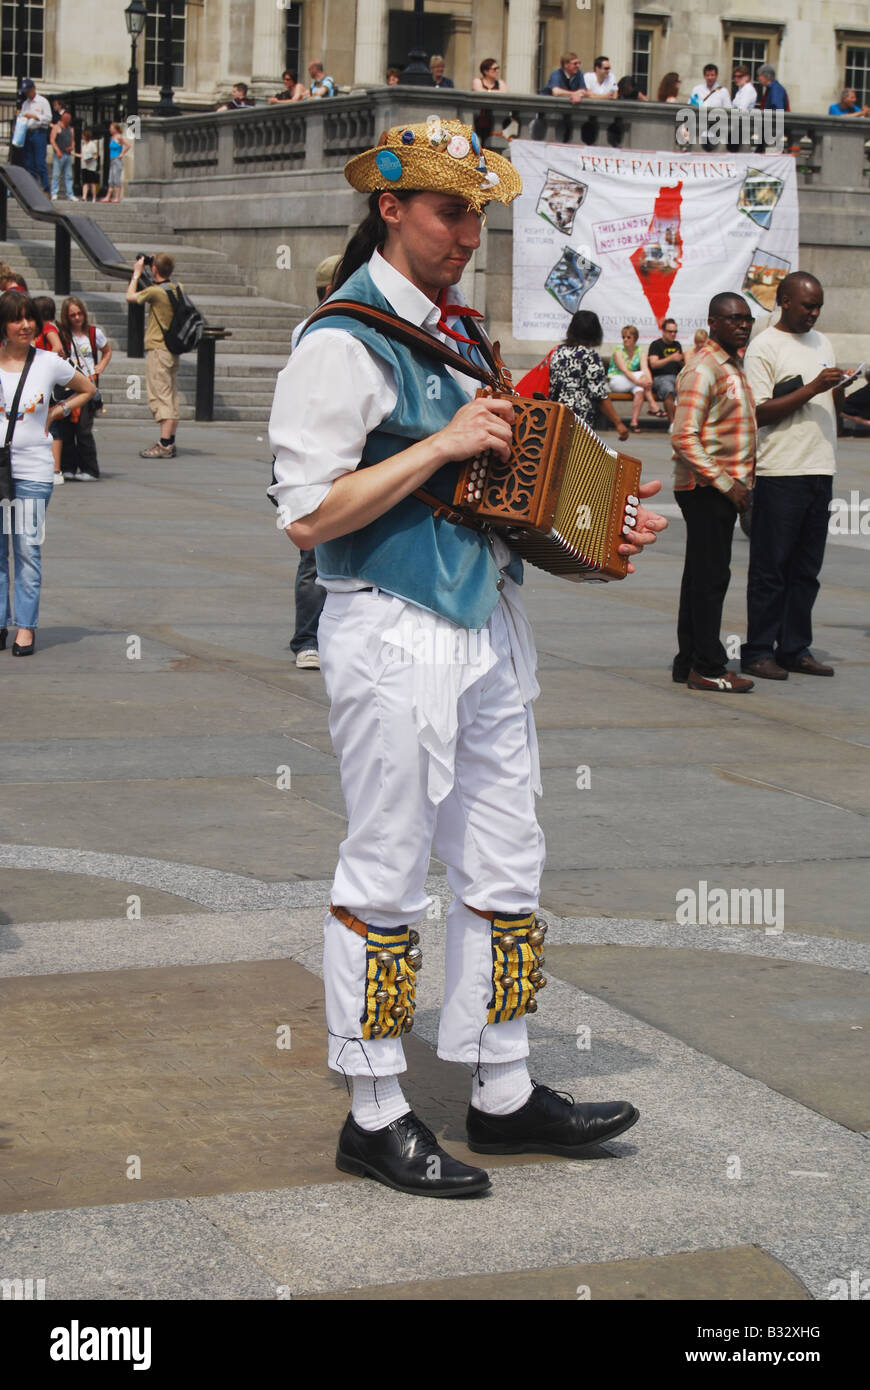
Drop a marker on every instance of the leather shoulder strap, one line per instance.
(13, 413)
(394, 327)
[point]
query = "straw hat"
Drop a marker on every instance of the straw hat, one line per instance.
(435, 156)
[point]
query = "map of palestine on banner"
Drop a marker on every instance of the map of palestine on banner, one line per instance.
(638, 235)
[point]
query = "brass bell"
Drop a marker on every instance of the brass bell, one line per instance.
(408, 1024)
(401, 977)
(531, 1007)
(384, 958)
(507, 943)
(507, 982)
(382, 996)
(536, 937)
(414, 957)
(413, 938)
(398, 1011)
(542, 983)
(540, 925)
(376, 1030)
(536, 977)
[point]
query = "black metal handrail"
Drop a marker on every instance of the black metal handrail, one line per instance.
(105, 257)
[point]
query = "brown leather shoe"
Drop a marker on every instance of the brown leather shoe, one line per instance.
(766, 668)
(729, 680)
(805, 666)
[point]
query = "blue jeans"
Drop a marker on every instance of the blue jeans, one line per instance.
(310, 598)
(789, 529)
(35, 145)
(24, 519)
(62, 165)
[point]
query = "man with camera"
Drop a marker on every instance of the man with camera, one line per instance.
(161, 365)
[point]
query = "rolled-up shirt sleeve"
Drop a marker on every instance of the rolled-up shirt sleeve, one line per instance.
(332, 393)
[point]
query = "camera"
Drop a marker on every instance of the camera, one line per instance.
(149, 260)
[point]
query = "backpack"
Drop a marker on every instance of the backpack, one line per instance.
(537, 381)
(186, 327)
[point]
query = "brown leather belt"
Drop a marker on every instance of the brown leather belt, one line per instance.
(348, 920)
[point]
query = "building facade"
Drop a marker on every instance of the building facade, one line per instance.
(817, 46)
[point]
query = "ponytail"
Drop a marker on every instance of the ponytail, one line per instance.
(370, 236)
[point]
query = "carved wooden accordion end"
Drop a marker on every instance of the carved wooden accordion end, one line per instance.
(563, 497)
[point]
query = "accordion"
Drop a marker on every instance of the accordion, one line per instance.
(562, 498)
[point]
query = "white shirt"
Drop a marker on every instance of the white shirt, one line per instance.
(38, 106)
(330, 396)
(600, 89)
(805, 442)
(31, 446)
(718, 96)
(89, 152)
(83, 346)
(745, 97)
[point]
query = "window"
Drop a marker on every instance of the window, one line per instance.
(750, 53)
(34, 25)
(154, 41)
(293, 40)
(641, 59)
(541, 71)
(403, 35)
(857, 72)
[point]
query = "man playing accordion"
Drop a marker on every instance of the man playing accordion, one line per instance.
(429, 664)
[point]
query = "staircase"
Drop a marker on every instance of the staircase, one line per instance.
(246, 363)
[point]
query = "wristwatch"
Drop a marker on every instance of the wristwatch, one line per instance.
(65, 407)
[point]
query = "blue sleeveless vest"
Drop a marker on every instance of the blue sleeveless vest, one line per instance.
(445, 568)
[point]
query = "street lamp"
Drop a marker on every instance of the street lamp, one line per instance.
(166, 106)
(417, 74)
(134, 18)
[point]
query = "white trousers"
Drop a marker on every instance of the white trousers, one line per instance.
(484, 829)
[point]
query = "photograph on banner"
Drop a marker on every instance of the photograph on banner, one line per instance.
(571, 277)
(763, 278)
(559, 200)
(759, 195)
(653, 235)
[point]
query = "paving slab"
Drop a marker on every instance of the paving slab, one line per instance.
(802, 1029)
(38, 895)
(740, 1273)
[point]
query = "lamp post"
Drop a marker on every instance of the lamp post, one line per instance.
(134, 18)
(166, 106)
(417, 74)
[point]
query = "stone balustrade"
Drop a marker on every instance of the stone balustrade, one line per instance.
(831, 151)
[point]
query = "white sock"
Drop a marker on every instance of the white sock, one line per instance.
(499, 1088)
(377, 1101)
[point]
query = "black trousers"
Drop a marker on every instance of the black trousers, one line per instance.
(79, 453)
(789, 530)
(709, 516)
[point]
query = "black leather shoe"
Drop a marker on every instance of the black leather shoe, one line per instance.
(549, 1123)
(4, 633)
(406, 1156)
(805, 665)
(24, 651)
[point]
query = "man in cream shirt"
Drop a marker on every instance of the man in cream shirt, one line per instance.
(791, 372)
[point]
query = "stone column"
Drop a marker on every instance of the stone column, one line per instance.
(616, 35)
(370, 55)
(267, 62)
(522, 42)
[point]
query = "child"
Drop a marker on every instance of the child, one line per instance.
(90, 158)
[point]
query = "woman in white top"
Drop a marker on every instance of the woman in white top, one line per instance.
(89, 155)
(32, 463)
(87, 348)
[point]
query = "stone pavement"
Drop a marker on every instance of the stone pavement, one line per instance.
(161, 901)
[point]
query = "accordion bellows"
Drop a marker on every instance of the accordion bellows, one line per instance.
(561, 500)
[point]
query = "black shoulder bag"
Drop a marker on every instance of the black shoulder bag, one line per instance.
(6, 487)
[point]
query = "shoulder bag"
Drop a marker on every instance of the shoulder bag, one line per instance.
(6, 484)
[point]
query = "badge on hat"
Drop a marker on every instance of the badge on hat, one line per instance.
(458, 147)
(389, 164)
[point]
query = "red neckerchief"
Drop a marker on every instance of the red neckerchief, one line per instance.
(454, 311)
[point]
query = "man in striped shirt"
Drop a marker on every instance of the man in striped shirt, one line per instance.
(714, 439)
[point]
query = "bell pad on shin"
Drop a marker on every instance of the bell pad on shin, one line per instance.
(514, 958)
(390, 984)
